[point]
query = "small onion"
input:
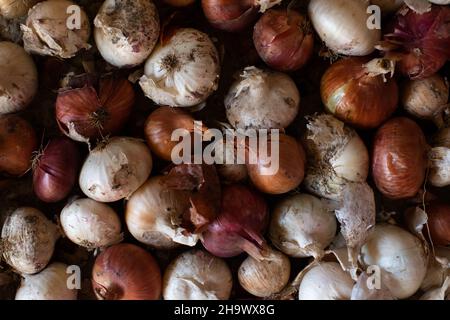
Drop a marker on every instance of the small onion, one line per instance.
(11, 9)
(325, 281)
(197, 275)
(401, 257)
(302, 226)
(90, 224)
(115, 169)
(266, 277)
(126, 272)
(283, 39)
(342, 25)
(55, 170)
(28, 240)
(437, 270)
(19, 80)
(49, 284)
(439, 223)
(399, 158)
(126, 31)
(46, 30)
(358, 96)
(183, 70)
(262, 99)
(17, 143)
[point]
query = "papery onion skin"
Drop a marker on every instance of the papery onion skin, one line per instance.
(55, 171)
(399, 158)
(126, 272)
(230, 15)
(17, 144)
(439, 223)
(283, 39)
(354, 96)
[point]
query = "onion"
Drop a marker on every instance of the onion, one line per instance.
(283, 39)
(179, 3)
(262, 99)
(342, 25)
(126, 31)
(257, 277)
(442, 139)
(90, 224)
(387, 6)
(197, 275)
(19, 80)
(355, 91)
(229, 165)
(439, 223)
(46, 30)
(439, 175)
(28, 240)
(49, 284)
(17, 143)
(325, 281)
(239, 226)
(126, 272)
(115, 169)
(302, 226)
(440, 2)
(183, 70)
(438, 269)
(337, 156)
(234, 15)
(401, 257)
(55, 170)
(91, 112)
(11, 9)
(399, 158)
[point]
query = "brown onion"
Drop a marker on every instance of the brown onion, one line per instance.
(17, 143)
(358, 96)
(126, 272)
(86, 112)
(55, 170)
(291, 171)
(399, 158)
(439, 223)
(283, 39)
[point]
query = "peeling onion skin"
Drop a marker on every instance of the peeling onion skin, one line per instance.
(11, 9)
(197, 275)
(399, 159)
(19, 80)
(126, 31)
(28, 240)
(183, 70)
(46, 33)
(49, 284)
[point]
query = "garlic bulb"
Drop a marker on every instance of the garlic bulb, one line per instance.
(439, 174)
(154, 215)
(262, 99)
(49, 284)
(438, 269)
(325, 281)
(400, 256)
(197, 275)
(47, 32)
(126, 31)
(337, 157)
(115, 169)
(19, 80)
(183, 71)
(11, 9)
(28, 240)
(302, 226)
(90, 224)
(257, 277)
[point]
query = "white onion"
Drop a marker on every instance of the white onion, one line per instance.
(90, 224)
(342, 25)
(115, 169)
(13, 8)
(197, 275)
(302, 226)
(49, 284)
(437, 271)
(400, 256)
(439, 174)
(325, 281)
(46, 33)
(262, 99)
(28, 240)
(126, 31)
(19, 78)
(154, 215)
(183, 71)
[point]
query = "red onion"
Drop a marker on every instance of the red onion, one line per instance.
(240, 224)
(439, 223)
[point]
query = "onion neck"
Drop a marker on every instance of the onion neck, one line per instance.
(380, 67)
